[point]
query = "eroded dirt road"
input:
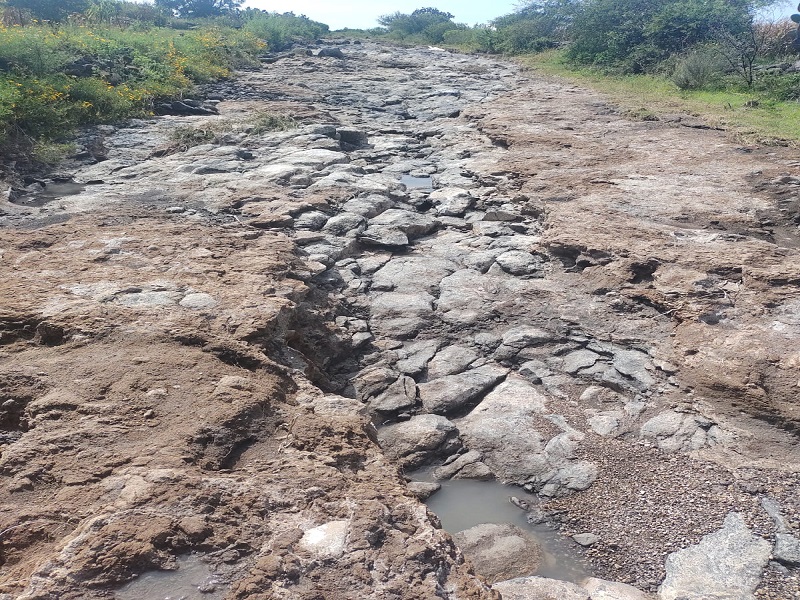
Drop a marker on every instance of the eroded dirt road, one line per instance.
(502, 274)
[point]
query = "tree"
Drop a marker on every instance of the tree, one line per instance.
(193, 9)
(430, 23)
(48, 10)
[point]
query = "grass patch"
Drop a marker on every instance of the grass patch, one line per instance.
(225, 131)
(748, 116)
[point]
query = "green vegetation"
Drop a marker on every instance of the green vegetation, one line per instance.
(76, 62)
(715, 58)
(649, 97)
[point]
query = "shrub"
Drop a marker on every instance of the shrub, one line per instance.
(698, 68)
(279, 31)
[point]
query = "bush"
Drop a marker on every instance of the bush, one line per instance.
(698, 68)
(279, 31)
(778, 86)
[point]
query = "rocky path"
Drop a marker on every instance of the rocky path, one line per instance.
(226, 351)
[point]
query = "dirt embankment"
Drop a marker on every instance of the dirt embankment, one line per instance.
(495, 268)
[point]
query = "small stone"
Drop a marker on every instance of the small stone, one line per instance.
(149, 414)
(423, 489)
(586, 539)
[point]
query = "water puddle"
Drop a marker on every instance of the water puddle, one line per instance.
(417, 183)
(464, 503)
(192, 580)
(53, 191)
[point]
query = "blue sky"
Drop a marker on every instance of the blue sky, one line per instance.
(363, 14)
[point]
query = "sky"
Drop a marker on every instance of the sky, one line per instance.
(363, 14)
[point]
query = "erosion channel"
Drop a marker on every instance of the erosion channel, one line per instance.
(237, 367)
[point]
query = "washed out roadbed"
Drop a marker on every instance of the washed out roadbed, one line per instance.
(236, 352)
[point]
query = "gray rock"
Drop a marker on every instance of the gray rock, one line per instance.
(504, 427)
(198, 301)
(448, 470)
(540, 588)
(673, 431)
(787, 549)
(417, 440)
(450, 361)
(579, 359)
(599, 589)
(411, 223)
(725, 564)
(399, 315)
(400, 395)
(423, 489)
(526, 335)
(414, 356)
(499, 551)
(385, 237)
(586, 539)
(535, 370)
(313, 220)
(635, 365)
(517, 262)
(452, 202)
(368, 206)
(413, 273)
(345, 223)
(606, 423)
(454, 393)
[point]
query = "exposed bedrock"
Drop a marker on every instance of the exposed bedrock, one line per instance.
(240, 349)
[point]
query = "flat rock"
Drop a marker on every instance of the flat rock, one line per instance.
(600, 589)
(787, 549)
(540, 588)
(411, 223)
(400, 395)
(454, 393)
(725, 564)
(423, 489)
(450, 361)
(499, 551)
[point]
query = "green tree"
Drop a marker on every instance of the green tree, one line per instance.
(635, 35)
(194, 9)
(429, 23)
(49, 10)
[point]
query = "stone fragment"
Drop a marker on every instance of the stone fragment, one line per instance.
(586, 539)
(412, 224)
(725, 564)
(787, 549)
(517, 262)
(454, 393)
(344, 223)
(540, 588)
(398, 396)
(198, 301)
(384, 237)
(579, 359)
(499, 551)
(423, 489)
(450, 361)
(450, 469)
(416, 441)
(599, 589)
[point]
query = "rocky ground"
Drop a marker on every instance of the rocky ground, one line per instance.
(238, 349)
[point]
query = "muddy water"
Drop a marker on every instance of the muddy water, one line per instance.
(53, 191)
(192, 580)
(464, 503)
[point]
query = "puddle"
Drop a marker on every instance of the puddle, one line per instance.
(464, 503)
(417, 183)
(192, 580)
(53, 191)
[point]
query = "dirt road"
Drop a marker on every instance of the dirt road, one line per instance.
(231, 353)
